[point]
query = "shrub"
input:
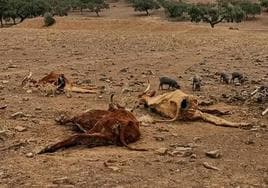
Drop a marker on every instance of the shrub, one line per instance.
(250, 8)
(145, 5)
(264, 3)
(176, 9)
(48, 19)
(97, 5)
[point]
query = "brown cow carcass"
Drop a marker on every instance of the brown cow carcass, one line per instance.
(115, 126)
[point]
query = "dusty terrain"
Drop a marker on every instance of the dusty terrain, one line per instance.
(90, 50)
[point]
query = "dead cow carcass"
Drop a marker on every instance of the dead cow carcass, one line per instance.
(115, 126)
(57, 80)
(178, 105)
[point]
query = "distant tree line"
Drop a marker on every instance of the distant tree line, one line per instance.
(212, 13)
(19, 10)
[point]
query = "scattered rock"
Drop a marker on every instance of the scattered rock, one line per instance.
(3, 134)
(5, 81)
(197, 139)
(18, 115)
(249, 141)
(36, 121)
(255, 82)
(182, 151)
(208, 166)
(3, 107)
(29, 91)
(161, 151)
(20, 128)
(213, 154)
(124, 70)
(68, 95)
(29, 155)
(127, 90)
(161, 129)
(180, 148)
(258, 60)
(25, 99)
(174, 134)
(233, 28)
(237, 84)
(12, 66)
(103, 79)
(38, 108)
(193, 156)
(24, 119)
(149, 72)
(181, 162)
(158, 138)
(63, 180)
(225, 96)
(202, 63)
(114, 168)
(111, 161)
(1, 87)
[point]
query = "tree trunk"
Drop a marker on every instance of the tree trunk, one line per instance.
(97, 12)
(212, 25)
(1, 21)
(147, 12)
(14, 21)
(22, 19)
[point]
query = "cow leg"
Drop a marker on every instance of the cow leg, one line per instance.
(91, 140)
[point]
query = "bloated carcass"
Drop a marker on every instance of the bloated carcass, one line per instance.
(56, 80)
(177, 105)
(115, 126)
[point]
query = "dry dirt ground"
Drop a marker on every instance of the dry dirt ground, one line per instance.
(90, 50)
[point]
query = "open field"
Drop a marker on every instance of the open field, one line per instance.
(89, 50)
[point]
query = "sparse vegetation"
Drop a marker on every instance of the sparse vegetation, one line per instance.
(176, 9)
(145, 6)
(250, 9)
(91, 5)
(97, 5)
(60, 7)
(264, 3)
(48, 19)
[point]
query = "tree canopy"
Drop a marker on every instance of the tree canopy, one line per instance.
(145, 5)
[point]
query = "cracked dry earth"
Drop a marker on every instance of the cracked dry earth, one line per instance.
(110, 52)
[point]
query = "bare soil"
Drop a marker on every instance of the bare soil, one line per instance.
(89, 49)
